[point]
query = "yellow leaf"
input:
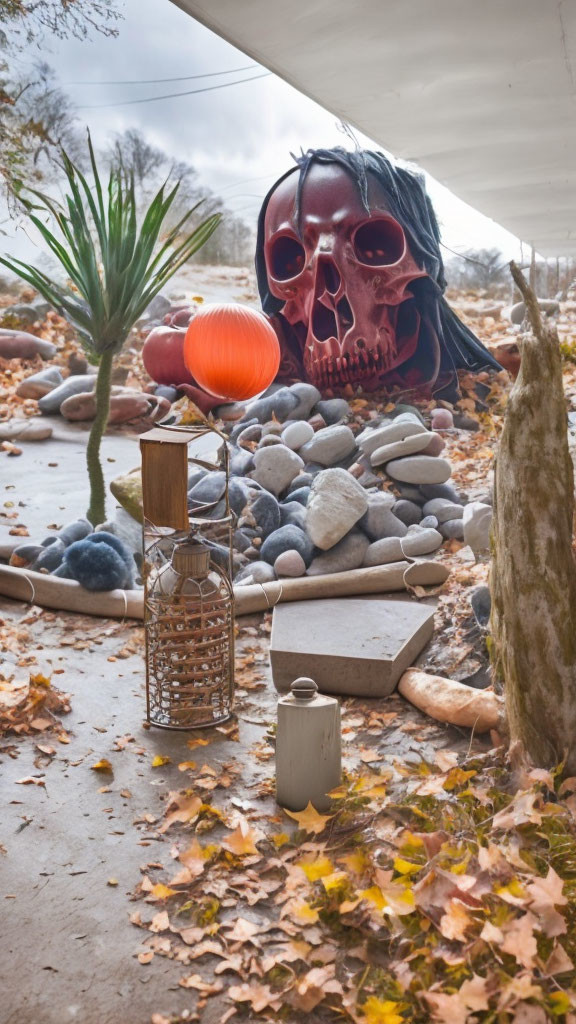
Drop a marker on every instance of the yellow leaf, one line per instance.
(161, 759)
(334, 881)
(513, 892)
(301, 912)
(457, 777)
(315, 868)
(40, 680)
(197, 298)
(381, 1011)
(374, 895)
(185, 766)
(561, 1002)
(358, 861)
(309, 819)
(280, 839)
(103, 765)
(405, 867)
(160, 892)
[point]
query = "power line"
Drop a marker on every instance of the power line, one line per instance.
(182, 78)
(172, 95)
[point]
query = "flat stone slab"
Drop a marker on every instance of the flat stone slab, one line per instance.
(349, 646)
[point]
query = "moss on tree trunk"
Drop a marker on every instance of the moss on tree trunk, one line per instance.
(533, 573)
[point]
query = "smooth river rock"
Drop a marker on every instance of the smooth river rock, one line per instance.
(281, 405)
(347, 554)
(389, 433)
(329, 445)
(297, 434)
(51, 402)
(39, 384)
(443, 509)
(333, 410)
(287, 538)
(307, 396)
(407, 512)
(379, 520)
(276, 467)
(290, 563)
(266, 512)
(442, 419)
(400, 449)
(21, 345)
(381, 552)
(477, 523)
(420, 542)
(420, 469)
(335, 504)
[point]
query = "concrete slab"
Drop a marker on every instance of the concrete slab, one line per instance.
(48, 483)
(357, 647)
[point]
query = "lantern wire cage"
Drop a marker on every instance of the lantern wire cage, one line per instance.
(189, 616)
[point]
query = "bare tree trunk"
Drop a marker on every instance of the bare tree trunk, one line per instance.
(533, 573)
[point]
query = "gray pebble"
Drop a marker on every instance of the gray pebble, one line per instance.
(407, 511)
(348, 554)
(452, 529)
(287, 538)
(209, 489)
(333, 410)
(266, 512)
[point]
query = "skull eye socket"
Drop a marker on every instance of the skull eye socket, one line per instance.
(287, 258)
(379, 243)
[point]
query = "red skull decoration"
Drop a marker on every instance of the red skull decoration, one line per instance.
(355, 293)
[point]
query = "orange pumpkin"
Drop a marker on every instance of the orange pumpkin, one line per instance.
(231, 351)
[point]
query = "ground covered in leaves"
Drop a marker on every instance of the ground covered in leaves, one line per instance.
(153, 878)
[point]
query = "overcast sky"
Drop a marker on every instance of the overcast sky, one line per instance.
(238, 138)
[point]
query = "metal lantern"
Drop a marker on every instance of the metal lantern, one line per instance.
(189, 602)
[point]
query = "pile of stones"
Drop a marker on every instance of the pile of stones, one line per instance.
(311, 497)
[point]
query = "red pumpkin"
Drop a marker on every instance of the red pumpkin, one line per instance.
(163, 356)
(231, 351)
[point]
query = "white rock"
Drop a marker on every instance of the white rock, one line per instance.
(389, 549)
(420, 542)
(443, 509)
(477, 521)
(297, 434)
(335, 504)
(276, 467)
(400, 449)
(329, 445)
(371, 439)
(420, 469)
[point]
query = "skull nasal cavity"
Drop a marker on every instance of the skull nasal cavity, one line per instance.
(379, 242)
(287, 258)
(328, 272)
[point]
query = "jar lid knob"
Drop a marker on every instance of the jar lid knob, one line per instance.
(304, 689)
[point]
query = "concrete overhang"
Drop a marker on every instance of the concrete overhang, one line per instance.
(482, 95)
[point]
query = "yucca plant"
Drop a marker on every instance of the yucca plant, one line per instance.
(115, 263)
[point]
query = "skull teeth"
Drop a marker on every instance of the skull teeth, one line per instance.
(330, 371)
